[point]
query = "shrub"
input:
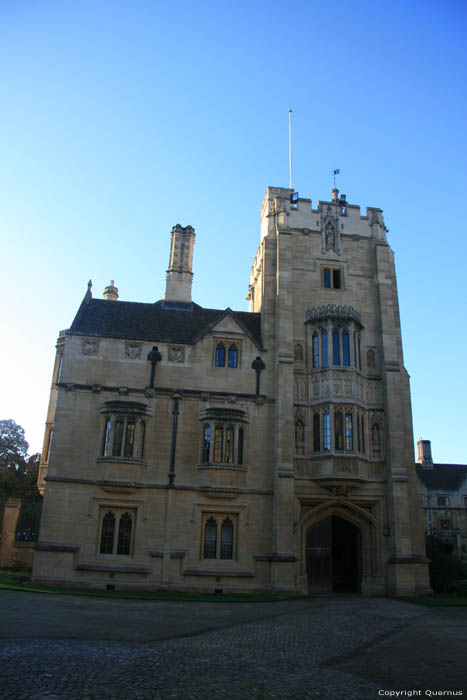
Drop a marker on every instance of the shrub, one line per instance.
(444, 567)
(458, 588)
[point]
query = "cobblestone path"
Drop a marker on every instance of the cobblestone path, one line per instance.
(278, 657)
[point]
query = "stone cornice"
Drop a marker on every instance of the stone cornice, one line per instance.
(334, 311)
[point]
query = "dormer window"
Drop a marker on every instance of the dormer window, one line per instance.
(227, 353)
(220, 355)
(233, 356)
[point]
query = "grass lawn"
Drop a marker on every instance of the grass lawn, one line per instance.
(19, 581)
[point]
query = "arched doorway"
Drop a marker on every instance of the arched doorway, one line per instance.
(333, 556)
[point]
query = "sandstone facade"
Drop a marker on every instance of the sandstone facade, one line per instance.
(204, 449)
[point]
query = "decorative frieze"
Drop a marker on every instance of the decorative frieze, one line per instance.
(334, 311)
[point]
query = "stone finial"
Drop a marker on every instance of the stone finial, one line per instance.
(335, 194)
(111, 292)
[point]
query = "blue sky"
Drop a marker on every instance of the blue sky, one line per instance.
(120, 119)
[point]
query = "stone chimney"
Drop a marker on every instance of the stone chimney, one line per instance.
(180, 275)
(424, 453)
(111, 292)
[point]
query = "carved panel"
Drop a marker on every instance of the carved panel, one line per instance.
(89, 347)
(176, 353)
(133, 351)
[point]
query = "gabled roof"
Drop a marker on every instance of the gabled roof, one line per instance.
(162, 321)
(443, 477)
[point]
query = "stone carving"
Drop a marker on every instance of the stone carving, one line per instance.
(315, 386)
(334, 311)
(176, 353)
(370, 359)
(133, 351)
(299, 385)
(346, 467)
(89, 347)
(330, 237)
(347, 387)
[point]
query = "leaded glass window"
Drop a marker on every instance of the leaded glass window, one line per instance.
(107, 533)
(218, 442)
(324, 349)
(316, 433)
(229, 445)
(339, 430)
(129, 438)
(227, 539)
(346, 349)
(240, 445)
(335, 348)
(326, 431)
(233, 356)
(206, 443)
(315, 350)
(348, 432)
(220, 355)
(118, 438)
(124, 534)
(210, 539)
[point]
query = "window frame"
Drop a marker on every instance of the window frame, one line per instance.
(219, 519)
(232, 352)
(334, 275)
(118, 511)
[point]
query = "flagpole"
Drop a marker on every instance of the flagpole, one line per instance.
(290, 149)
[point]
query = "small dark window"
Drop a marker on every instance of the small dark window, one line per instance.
(233, 356)
(326, 431)
(339, 430)
(206, 443)
(124, 534)
(240, 446)
(143, 437)
(324, 349)
(210, 539)
(443, 500)
(118, 438)
(229, 445)
(130, 438)
(316, 433)
(346, 349)
(336, 279)
(227, 539)
(348, 432)
(335, 348)
(107, 533)
(315, 350)
(218, 442)
(327, 278)
(220, 355)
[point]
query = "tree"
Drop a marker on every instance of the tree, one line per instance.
(18, 472)
(13, 445)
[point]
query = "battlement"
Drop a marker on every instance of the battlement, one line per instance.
(277, 209)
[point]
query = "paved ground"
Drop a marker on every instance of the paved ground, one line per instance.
(340, 648)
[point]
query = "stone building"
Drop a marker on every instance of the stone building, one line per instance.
(205, 449)
(444, 492)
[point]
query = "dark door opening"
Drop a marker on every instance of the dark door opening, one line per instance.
(333, 556)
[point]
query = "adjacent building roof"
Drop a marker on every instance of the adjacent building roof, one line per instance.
(443, 477)
(162, 321)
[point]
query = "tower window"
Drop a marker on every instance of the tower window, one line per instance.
(335, 348)
(332, 278)
(346, 348)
